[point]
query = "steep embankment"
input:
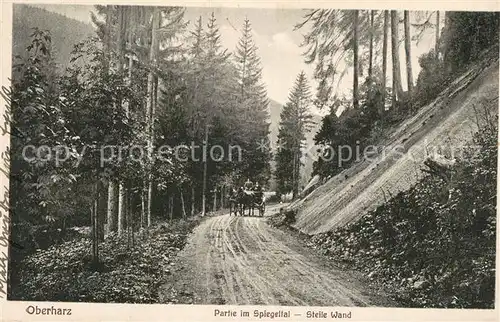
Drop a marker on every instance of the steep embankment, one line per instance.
(449, 121)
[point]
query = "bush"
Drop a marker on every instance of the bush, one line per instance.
(125, 275)
(434, 245)
(431, 80)
(283, 218)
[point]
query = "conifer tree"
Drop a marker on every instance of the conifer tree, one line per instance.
(296, 121)
(253, 101)
(397, 87)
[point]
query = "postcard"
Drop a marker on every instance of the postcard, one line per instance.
(255, 161)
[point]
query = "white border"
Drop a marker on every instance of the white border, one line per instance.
(16, 310)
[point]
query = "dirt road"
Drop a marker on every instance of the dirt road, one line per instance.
(242, 260)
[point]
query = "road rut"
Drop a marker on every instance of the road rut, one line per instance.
(243, 260)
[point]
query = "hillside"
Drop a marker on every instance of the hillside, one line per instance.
(65, 32)
(449, 121)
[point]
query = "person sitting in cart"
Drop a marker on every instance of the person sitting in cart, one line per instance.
(248, 186)
(258, 191)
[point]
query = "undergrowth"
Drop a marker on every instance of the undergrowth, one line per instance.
(434, 245)
(126, 274)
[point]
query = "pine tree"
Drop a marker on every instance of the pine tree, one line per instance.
(409, 72)
(112, 206)
(331, 39)
(296, 121)
(436, 44)
(252, 98)
(214, 49)
(371, 46)
(355, 49)
(384, 61)
(397, 88)
(150, 105)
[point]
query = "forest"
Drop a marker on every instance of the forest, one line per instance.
(142, 83)
(103, 198)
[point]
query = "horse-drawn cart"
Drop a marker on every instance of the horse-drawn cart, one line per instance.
(247, 199)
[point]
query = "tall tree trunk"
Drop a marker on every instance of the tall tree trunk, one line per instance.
(112, 207)
(122, 209)
(436, 45)
(293, 175)
(183, 204)
(192, 201)
(143, 205)
(409, 72)
(370, 65)
(149, 201)
(112, 212)
(171, 206)
(120, 43)
(396, 68)
(93, 232)
(95, 224)
(120, 48)
(204, 188)
(127, 218)
(107, 37)
(355, 98)
(102, 213)
(445, 48)
(297, 172)
(384, 61)
(215, 198)
(130, 217)
(150, 103)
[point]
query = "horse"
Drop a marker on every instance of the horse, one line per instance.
(248, 202)
(252, 200)
(260, 202)
(234, 204)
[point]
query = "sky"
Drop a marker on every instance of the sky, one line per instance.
(277, 41)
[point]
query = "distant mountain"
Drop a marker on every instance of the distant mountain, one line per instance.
(274, 118)
(65, 32)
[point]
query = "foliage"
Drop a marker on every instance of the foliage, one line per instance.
(432, 78)
(126, 275)
(345, 126)
(329, 42)
(343, 135)
(251, 95)
(97, 100)
(434, 245)
(466, 35)
(296, 121)
(282, 219)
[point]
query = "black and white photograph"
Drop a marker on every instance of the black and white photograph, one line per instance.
(284, 157)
